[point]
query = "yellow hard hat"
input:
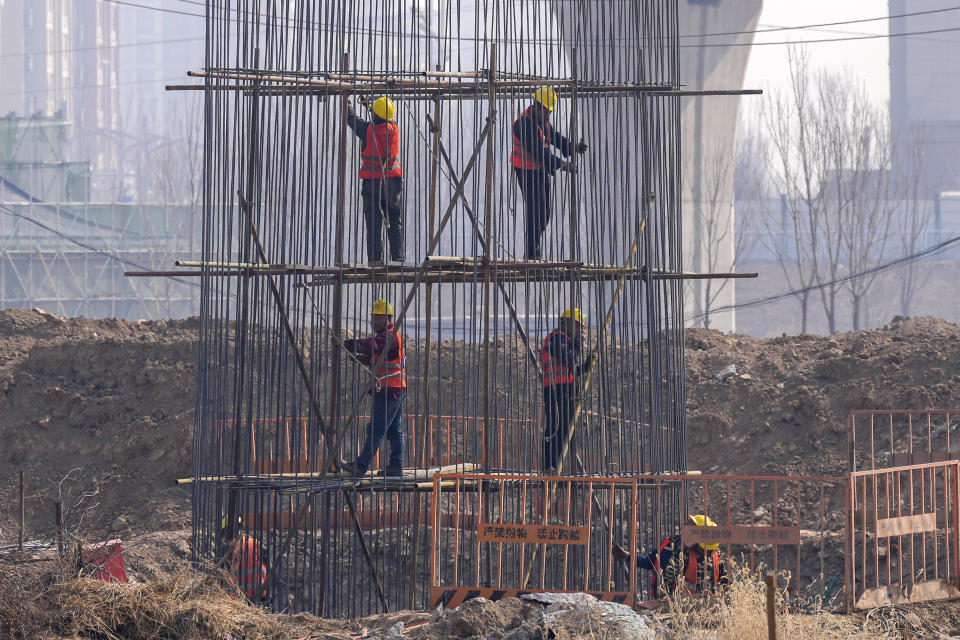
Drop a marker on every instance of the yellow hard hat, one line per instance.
(574, 313)
(384, 108)
(382, 308)
(705, 521)
(547, 97)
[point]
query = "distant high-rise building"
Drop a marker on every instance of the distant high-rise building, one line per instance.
(925, 88)
(58, 59)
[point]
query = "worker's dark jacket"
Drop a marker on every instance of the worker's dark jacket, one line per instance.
(528, 132)
(367, 349)
(567, 350)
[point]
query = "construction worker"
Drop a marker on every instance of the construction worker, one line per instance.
(388, 393)
(245, 555)
(683, 569)
(381, 179)
(534, 164)
(563, 364)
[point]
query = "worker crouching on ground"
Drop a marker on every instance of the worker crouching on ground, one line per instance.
(381, 179)
(534, 164)
(561, 358)
(683, 569)
(245, 556)
(388, 393)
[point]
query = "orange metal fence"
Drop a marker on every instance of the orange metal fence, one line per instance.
(903, 534)
(506, 537)
(283, 446)
(896, 438)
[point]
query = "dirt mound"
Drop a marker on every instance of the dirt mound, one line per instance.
(785, 409)
(109, 405)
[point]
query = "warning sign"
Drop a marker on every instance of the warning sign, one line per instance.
(741, 534)
(532, 533)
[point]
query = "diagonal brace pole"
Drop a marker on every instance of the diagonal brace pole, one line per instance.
(452, 175)
(246, 207)
(380, 362)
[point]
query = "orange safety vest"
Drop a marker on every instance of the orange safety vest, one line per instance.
(394, 374)
(520, 158)
(554, 371)
(379, 158)
(690, 576)
(249, 568)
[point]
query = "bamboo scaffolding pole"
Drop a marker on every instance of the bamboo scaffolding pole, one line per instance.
(420, 453)
(450, 269)
(398, 84)
(500, 282)
(488, 259)
(551, 491)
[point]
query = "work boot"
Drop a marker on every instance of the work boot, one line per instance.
(393, 472)
(351, 468)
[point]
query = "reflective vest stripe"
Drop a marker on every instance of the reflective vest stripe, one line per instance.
(252, 575)
(394, 374)
(520, 157)
(381, 152)
(690, 576)
(554, 371)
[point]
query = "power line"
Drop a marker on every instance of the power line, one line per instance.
(376, 32)
(89, 86)
(106, 46)
(89, 247)
(821, 24)
(819, 40)
(886, 266)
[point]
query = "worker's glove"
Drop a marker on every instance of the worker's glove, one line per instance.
(581, 147)
(587, 366)
(620, 553)
(569, 167)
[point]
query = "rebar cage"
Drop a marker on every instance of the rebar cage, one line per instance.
(284, 278)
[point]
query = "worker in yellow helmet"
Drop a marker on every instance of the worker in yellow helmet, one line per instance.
(561, 358)
(535, 165)
(381, 178)
(388, 393)
(684, 569)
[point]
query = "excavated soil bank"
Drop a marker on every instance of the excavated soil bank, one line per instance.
(108, 404)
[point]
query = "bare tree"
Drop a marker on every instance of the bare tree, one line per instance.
(912, 215)
(727, 226)
(793, 122)
(858, 192)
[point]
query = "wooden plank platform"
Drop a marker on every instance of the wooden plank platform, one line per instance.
(411, 479)
(435, 269)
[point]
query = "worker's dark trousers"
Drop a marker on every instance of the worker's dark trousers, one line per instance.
(386, 418)
(383, 200)
(558, 405)
(535, 187)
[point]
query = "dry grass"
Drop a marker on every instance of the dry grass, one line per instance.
(45, 601)
(741, 614)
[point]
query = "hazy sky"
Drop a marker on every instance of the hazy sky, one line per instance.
(868, 59)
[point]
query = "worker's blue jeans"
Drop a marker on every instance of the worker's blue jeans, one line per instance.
(558, 405)
(386, 418)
